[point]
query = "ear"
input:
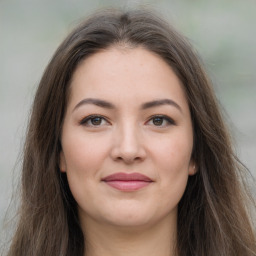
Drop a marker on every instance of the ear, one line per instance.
(192, 170)
(62, 163)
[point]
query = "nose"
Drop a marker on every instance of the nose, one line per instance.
(128, 145)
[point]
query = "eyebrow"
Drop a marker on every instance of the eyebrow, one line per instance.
(156, 103)
(97, 102)
(108, 105)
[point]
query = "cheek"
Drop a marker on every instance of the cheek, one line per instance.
(83, 153)
(173, 154)
(173, 171)
(84, 158)
(172, 158)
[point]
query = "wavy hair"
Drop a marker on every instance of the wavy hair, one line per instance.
(213, 214)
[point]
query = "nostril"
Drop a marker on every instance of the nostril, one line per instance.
(137, 158)
(126, 159)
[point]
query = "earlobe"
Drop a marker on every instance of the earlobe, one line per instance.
(192, 168)
(62, 163)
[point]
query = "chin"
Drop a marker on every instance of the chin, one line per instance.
(140, 218)
(130, 222)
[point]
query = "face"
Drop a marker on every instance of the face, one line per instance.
(127, 139)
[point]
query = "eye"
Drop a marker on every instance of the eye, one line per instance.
(161, 121)
(94, 121)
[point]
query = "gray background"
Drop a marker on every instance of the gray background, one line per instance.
(223, 32)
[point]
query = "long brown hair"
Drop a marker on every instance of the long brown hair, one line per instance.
(213, 217)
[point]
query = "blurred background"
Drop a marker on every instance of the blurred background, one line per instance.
(222, 31)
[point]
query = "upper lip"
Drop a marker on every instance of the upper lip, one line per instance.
(121, 176)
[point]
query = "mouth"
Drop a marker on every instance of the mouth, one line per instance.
(127, 181)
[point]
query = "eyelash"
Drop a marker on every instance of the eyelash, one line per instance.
(85, 120)
(169, 120)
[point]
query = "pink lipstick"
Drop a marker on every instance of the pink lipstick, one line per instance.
(127, 181)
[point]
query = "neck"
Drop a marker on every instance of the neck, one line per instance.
(123, 241)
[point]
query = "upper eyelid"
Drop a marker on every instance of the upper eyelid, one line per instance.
(162, 116)
(84, 119)
(87, 118)
(169, 121)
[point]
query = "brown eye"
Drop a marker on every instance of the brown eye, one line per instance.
(158, 121)
(161, 121)
(96, 120)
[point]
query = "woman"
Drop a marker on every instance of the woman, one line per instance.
(127, 153)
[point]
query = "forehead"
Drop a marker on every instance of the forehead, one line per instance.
(125, 75)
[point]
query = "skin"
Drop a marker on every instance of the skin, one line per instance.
(128, 137)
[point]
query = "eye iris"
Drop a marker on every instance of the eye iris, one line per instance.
(158, 121)
(96, 120)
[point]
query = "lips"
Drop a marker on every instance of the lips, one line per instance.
(127, 181)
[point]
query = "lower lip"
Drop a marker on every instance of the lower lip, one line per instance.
(127, 185)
